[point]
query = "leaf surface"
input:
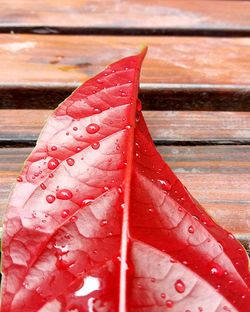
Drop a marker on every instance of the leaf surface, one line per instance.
(98, 222)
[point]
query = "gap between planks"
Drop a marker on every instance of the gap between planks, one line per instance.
(155, 96)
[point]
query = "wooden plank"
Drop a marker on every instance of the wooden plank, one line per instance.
(218, 176)
(178, 72)
(69, 59)
(172, 127)
(129, 17)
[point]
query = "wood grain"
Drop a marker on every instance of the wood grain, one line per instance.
(35, 59)
(218, 176)
(130, 17)
(173, 127)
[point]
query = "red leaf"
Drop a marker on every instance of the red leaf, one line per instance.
(98, 222)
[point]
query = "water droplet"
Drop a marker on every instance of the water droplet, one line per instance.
(43, 186)
(103, 222)
(169, 303)
(165, 184)
(216, 269)
(122, 206)
(179, 286)
(206, 221)
(87, 201)
(51, 175)
(99, 80)
(137, 118)
(163, 295)
(243, 297)
(92, 128)
(70, 161)
(50, 198)
(64, 194)
(119, 189)
(95, 145)
(53, 148)
(172, 260)
(78, 149)
(97, 110)
(128, 127)
(75, 128)
(139, 106)
(153, 280)
(52, 163)
(191, 229)
(200, 309)
(73, 219)
(230, 235)
(150, 210)
(65, 213)
(123, 94)
(19, 179)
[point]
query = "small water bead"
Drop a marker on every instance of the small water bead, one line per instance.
(139, 106)
(51, 175)
(92, 128)
(73, 219)
(65, 213)
(119, 189)
(128, 127)
(70, 161)
(43, 186)
(78, 149)
(53, 148)
(165, 184)
(163, 295)
(75, 128)
(64, 194)
(200, 309)
(53, 163)
(230, 235)
(97, 110)
(99, 80)
(153, 280)
(87, 201)
(191, 229)
(169, 303)
(103, 222)
(180, 286)
(243, 297)
(122, 206)
(216, 269)
(95, 145)
(19, 179)
(50, 198)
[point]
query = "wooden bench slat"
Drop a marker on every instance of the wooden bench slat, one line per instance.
(38, 59)
(173, 127)
(218, 176)
(138, 17)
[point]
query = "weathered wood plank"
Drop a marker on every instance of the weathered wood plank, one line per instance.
(174, 127)
(69, 59)
(218, 176)
(129, 17)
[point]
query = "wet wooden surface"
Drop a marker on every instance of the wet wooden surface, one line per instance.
(65, 59)
(167, 127)
(111, 16)
(195, 85)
